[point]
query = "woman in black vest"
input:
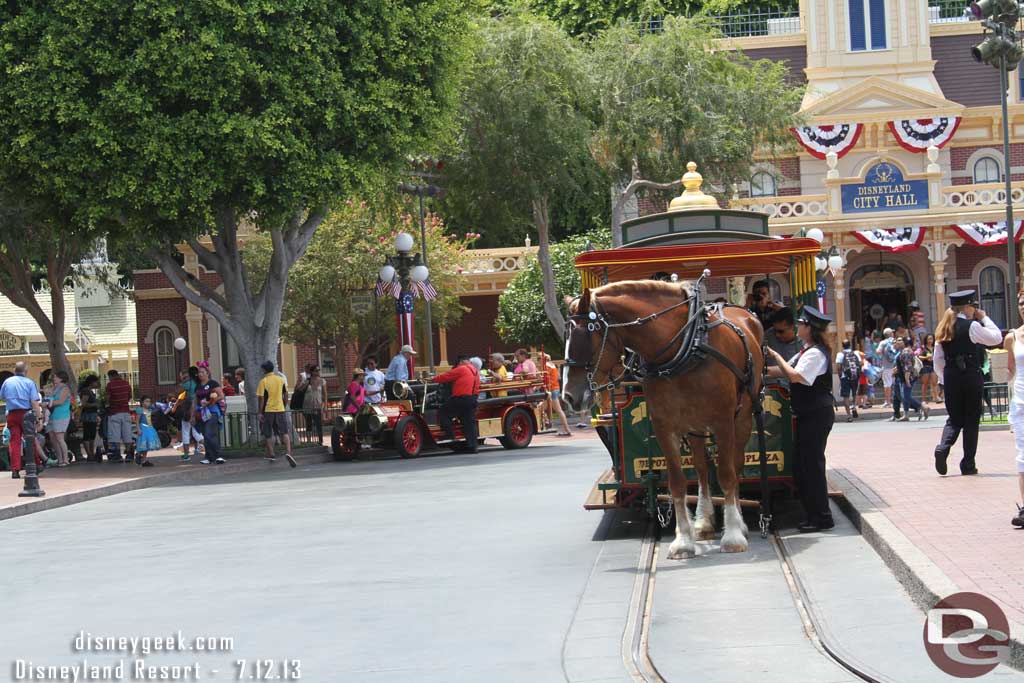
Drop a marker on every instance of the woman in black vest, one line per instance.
(810, 377)
(960, 338)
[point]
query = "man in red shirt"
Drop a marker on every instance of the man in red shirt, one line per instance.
(119, 419)
(465, 380)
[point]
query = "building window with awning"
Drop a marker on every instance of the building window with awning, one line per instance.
(164, 342)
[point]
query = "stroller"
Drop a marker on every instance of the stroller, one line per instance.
(162, 423)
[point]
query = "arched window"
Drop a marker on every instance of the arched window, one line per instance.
(986, 170)
(163, 339)
(993, 294)
(762, 185)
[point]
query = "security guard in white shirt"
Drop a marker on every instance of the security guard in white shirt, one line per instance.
(961, 334)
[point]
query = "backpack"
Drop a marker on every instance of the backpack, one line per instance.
(918, 365)
(851, 365)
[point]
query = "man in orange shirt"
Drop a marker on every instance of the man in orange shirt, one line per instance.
(465, 381)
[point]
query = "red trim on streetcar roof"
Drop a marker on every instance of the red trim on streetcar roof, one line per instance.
(724, 259)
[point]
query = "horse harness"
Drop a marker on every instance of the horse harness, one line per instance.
(693, 350)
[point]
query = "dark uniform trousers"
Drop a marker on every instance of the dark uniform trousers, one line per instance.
(464, 408)
(811, 430)
(963, 390)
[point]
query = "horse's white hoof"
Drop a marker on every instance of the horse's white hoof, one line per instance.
(680, 550)
(734, 543)
(704, 530)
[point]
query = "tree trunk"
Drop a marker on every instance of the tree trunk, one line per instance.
(627, 193)
(541, 219)
(252, 318)
(55, 336)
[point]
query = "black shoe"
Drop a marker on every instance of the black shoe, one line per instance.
(146, 463)
(826, 523)
(855, 415)
(15, 475)
(968, 471)
(809, 527)
(1018, 521)
(940, 462)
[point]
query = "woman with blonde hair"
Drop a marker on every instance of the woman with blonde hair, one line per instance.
(1014, 345)
(962, 332)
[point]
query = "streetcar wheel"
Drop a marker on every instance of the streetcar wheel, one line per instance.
(409, 437)
(518, 428)
(344, 446)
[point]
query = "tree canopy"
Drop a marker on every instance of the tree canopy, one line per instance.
(526, 123)
(342, 262)
(521, 318)
(187, 118)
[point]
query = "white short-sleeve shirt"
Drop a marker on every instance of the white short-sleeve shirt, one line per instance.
(809, 364)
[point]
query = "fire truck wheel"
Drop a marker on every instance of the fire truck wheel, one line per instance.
(409, 437)
(518, 429)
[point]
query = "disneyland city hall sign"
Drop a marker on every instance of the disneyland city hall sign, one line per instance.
(884, 189)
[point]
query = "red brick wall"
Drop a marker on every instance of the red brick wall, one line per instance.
(475, 333)
(958, 156)
(147, 312)
(968, 257)
(651, 204)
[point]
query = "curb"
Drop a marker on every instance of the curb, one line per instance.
(923, 580)
(199, 473)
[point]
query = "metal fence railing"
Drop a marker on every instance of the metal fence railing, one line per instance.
(947, 11)
(996, 404)
(757, 22)
(242, 429)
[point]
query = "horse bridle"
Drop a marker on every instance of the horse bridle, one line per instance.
(596, 319)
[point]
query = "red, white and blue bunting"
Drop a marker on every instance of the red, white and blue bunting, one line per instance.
(822, 290)
(820, 140)
(896, 240)
(917, 135)
(988, 234)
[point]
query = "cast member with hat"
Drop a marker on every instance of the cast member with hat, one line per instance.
(810, 376)
(962, 332)
(398, 369)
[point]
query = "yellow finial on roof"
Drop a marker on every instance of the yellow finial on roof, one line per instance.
(692, 197)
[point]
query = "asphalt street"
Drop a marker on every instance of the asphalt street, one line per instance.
(445, 568)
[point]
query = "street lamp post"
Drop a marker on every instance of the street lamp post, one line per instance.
(421, 191)
(28, 435)
(410, 272)
(1001, 48)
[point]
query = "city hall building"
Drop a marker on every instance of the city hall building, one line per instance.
(900, 159)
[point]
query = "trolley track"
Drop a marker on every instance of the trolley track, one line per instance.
(635, 651)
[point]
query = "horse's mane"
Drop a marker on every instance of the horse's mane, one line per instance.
(641, 287)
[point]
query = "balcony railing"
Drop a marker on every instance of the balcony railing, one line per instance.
(759, 22)
(801, 206)
(981, 195)
(947, 11)
(504, 260)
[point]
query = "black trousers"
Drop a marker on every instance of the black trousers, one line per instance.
(811, 430)
(464, 408)
(963, 390)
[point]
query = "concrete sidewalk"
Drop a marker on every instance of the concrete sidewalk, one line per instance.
(88, 480)
(939, 534)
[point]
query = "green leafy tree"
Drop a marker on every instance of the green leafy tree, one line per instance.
(41, 249)
(343, 260)
(669, 97)
(186, 118)
(526, 124)
(521, 318)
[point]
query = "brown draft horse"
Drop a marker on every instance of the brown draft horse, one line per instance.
(606, 321)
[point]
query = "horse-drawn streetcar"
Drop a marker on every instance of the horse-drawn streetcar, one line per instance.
(644, 343)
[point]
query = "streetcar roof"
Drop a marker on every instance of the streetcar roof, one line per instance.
(723, 259)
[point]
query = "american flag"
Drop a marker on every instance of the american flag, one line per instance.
(425, 290)
(404, 313)
(821, 296)
(383, 287)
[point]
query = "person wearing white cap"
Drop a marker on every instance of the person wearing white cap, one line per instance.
(918, 326)
(398, 369)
